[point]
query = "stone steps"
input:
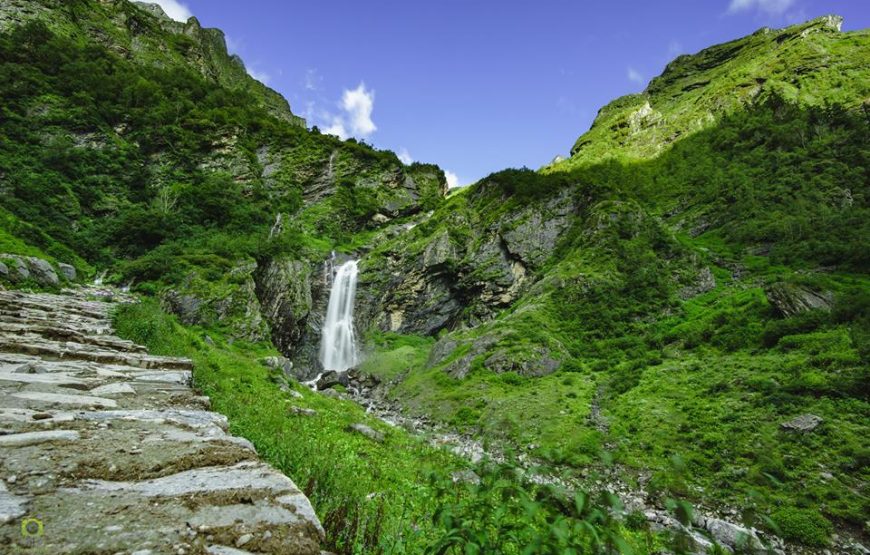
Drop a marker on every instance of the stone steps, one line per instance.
(59, 332)
(115, 453)
(30, 344)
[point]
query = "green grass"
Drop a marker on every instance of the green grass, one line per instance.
(394, 497)
(393, 355)
(371, 497)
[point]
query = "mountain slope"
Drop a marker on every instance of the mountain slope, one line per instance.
(656, 301)
(142, 33)
(812, 64)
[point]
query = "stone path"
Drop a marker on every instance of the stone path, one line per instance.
(107, 449)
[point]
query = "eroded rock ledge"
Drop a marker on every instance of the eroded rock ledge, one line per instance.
(113, 452)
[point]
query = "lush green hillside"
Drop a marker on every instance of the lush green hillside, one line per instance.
(648, 313)
(810, 64)
(640, 308)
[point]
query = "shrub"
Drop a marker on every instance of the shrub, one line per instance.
(803, 525)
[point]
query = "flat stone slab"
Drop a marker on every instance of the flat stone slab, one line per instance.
(114, 389)
(54, 379)
(11, 506)
(35, 438)
(62, 399)
(247, 476)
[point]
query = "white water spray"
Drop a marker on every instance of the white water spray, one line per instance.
(338, 345)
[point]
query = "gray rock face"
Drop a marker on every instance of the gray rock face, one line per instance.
(283, 287)
(532, 234)
(802, 423)
(368, 432)
(4, 271)
(233, 303)
(187, 307)
(790, 299)
(67, 270)
(452, 279)
(16, 267)
(41, 271)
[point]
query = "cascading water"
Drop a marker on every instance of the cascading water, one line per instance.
(338, 344)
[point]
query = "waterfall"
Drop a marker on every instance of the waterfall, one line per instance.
(338, 344)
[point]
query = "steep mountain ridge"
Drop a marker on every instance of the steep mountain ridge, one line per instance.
(143, 33)
(809, 64)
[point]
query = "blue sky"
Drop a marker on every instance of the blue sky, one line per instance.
(477, 86)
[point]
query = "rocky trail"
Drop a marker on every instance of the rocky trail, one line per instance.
(107, 449)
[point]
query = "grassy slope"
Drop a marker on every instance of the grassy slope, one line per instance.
(810, 64)
(393, 497)
(368, 494)
(705, 381)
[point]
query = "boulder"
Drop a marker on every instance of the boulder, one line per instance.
(67, 270)
(41, 271)
(802, 423)
(17, 268)
(284, 365)
(359, 379)
(791, 299)
(4, 271)
(733, 535)
(331, 379)
(534, 364)
(368, 432)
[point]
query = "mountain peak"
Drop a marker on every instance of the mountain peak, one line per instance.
(799, 63)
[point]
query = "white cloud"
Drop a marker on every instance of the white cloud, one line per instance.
(336, 128)
(634, 76)
(356, 120)
(452, 179)
(359, 104)
(405, 156)
(260, 76)
(771, 7)
(174, 9)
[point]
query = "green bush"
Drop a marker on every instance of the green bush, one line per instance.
(803, 525)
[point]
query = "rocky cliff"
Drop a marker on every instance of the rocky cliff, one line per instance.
(143, 33)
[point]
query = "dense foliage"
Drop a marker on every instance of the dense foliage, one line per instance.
(104, 158)
(775, 194)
